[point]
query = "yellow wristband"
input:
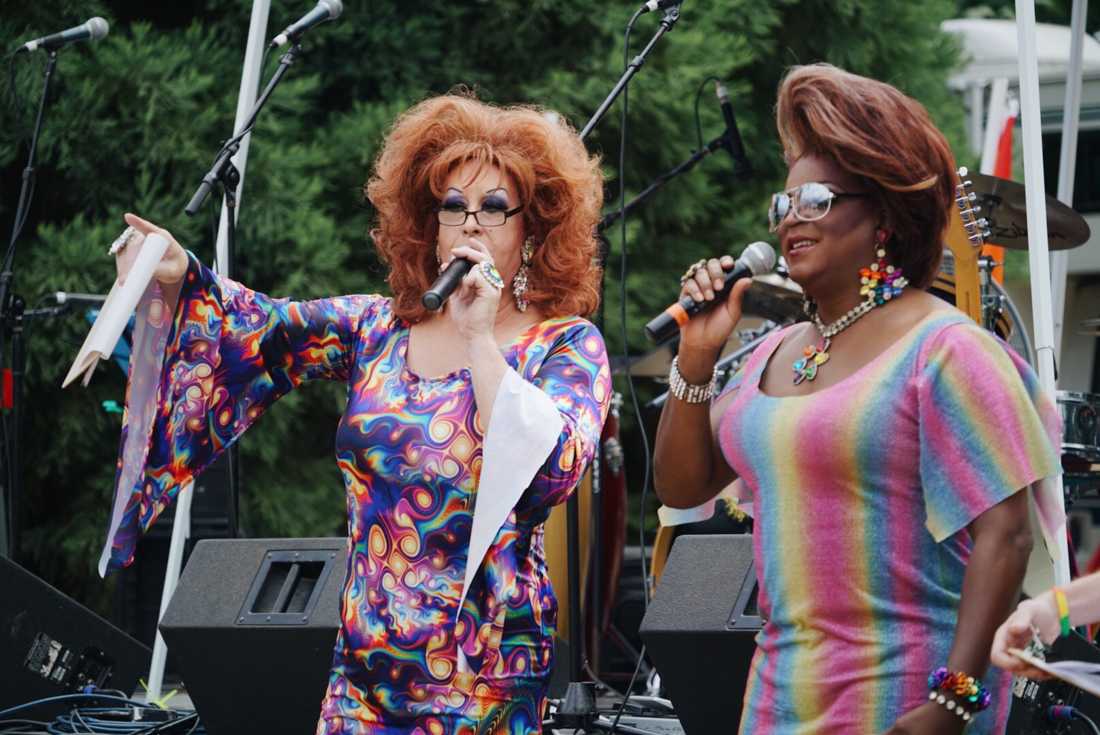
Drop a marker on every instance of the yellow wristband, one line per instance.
(1063, 609)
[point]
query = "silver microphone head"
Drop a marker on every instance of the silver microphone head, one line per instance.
(759, 257)
(334, 7)
(97, 28)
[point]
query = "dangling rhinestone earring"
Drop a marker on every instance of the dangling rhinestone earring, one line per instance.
(519, 282)
(879, 283)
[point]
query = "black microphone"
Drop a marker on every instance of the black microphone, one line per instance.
(325, 10)
(732, 143)
(757, 259)
(447, 282)
(95, 29)
(652, 5)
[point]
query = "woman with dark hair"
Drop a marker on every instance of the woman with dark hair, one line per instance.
(883, 443)
(447, 612)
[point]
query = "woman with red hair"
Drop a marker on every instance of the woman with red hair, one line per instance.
(463, 427)
(883, 443)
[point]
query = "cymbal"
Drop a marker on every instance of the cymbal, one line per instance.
(771, 296)
(1090, 326)
(1004, 204)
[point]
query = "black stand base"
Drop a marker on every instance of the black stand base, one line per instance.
(578, 707)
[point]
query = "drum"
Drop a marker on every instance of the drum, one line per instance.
(1080, 428)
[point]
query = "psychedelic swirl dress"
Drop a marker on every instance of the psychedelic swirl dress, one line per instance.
(861, 494)
(410, 451)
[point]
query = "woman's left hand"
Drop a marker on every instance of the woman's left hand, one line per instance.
(930, 718)
(473, 305)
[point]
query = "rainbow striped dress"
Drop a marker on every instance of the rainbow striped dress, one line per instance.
(862, 493)
(410, 452)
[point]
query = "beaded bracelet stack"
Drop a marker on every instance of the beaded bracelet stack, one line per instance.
(960, 693)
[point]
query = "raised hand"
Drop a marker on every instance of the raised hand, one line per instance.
(172, 267)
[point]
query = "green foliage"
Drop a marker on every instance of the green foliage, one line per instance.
(137, 117)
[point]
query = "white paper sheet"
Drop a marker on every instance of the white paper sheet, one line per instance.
(116, 311)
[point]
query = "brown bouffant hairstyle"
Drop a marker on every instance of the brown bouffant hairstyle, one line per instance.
(889, 142)
(560, 187)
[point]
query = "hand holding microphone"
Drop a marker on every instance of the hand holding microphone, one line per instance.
(446, 283)
(708, 286)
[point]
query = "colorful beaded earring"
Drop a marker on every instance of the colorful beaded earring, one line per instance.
(519, 282)
(879, 283)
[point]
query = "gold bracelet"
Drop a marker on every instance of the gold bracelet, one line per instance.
(689, 392)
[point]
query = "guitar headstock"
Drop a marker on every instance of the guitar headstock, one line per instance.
(975, 227)
(966, 233)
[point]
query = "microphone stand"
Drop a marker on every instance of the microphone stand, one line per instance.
(226, 174)
(577, 708)
(611, 217)
(11, 323)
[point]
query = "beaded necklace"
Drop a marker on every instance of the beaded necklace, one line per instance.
(878, 284)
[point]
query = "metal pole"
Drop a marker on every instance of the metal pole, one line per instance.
(181, 531)
(1038, 250)
(246, 99)
(1067, 162)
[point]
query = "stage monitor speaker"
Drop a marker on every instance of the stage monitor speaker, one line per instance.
(52, 645)
(252, 626)
(699, 629)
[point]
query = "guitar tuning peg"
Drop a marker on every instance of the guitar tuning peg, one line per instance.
(983, 223)
(986, 233)
(976, 208)
(963, 171)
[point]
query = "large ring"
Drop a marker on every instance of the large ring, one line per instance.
(691, 271)
(491, 274)
(121, 241)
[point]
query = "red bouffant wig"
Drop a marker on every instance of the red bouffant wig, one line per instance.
(888, 141)
(560, 187)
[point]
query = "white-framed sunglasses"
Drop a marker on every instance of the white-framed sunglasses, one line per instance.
(810, 202)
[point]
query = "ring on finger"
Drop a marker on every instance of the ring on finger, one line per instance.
(491, 274)
(121, 241)
(692, 270)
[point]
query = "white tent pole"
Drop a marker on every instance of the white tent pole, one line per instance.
(1067, 162)
(994, 125)
(250, 80)
(181, 531)
(246, 99)
(976, 90)
(1038, 252)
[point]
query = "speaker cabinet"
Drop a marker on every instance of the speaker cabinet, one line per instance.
(700, 628)
(52, 645)
(252, 627)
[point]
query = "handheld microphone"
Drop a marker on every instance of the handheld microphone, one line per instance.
(93, 30)
(325, 10)
(741, 165)
(757, 259)
(447, 282)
